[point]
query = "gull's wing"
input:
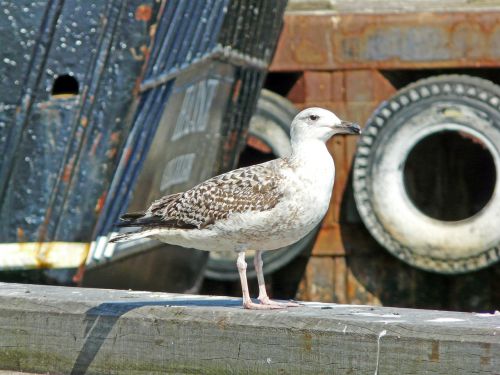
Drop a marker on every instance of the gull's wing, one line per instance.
(254, 188)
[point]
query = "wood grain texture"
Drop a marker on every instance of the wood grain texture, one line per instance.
(61, 330)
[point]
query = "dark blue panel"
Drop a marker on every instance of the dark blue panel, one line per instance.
(70, 162)
(61, 151)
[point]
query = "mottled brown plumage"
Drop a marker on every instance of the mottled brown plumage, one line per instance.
(241, 190)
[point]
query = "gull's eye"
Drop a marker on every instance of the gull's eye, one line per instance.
(314, 117)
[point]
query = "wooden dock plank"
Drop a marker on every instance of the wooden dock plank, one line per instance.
(94, 331)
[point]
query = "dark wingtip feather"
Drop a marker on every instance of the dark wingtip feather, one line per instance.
(120, 237)
(131, 219)
(132, 215)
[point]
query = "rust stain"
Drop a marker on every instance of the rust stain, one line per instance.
(236, 90)
(257, 144)
(41, 255)
(20, 234)
(68, 169)
(78, 276)
(141, 55)
(486, 358)
(143, 13)
(137, 86)
(307, 53)
(329, 241)
(127, 155)
(84, 121)
(145, 50)
(100, 202)
(42, 229)
(152, 30)
(95, 143)
(115, 137)
(434, 356)
(307, 342)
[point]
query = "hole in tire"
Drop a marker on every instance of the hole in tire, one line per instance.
(450, 175)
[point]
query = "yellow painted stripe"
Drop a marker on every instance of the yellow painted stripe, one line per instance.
(29, 255)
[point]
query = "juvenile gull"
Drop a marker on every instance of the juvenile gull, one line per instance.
(261, 207)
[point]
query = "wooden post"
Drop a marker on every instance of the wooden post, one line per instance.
(58, 330)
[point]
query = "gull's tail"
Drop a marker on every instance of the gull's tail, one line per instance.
(135, 219)
(129, 236)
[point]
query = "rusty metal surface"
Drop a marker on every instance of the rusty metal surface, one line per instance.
(347, 265)
(59, 152)
(419, 39)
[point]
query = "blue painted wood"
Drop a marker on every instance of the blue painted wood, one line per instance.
(60, 152)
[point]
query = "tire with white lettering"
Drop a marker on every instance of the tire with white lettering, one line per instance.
(426, 174)
(268, 138)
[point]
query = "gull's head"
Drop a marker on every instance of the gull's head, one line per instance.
(320, 124)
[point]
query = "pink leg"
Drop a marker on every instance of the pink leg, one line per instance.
(247, 301)
(263, 297)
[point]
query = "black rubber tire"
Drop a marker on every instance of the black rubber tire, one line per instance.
(450, 102)
(271, 125)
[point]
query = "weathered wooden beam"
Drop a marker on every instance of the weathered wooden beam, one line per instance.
(57, 330)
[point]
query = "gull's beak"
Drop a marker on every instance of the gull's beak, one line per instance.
(349, 128)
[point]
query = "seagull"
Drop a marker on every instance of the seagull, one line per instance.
(261, 207)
